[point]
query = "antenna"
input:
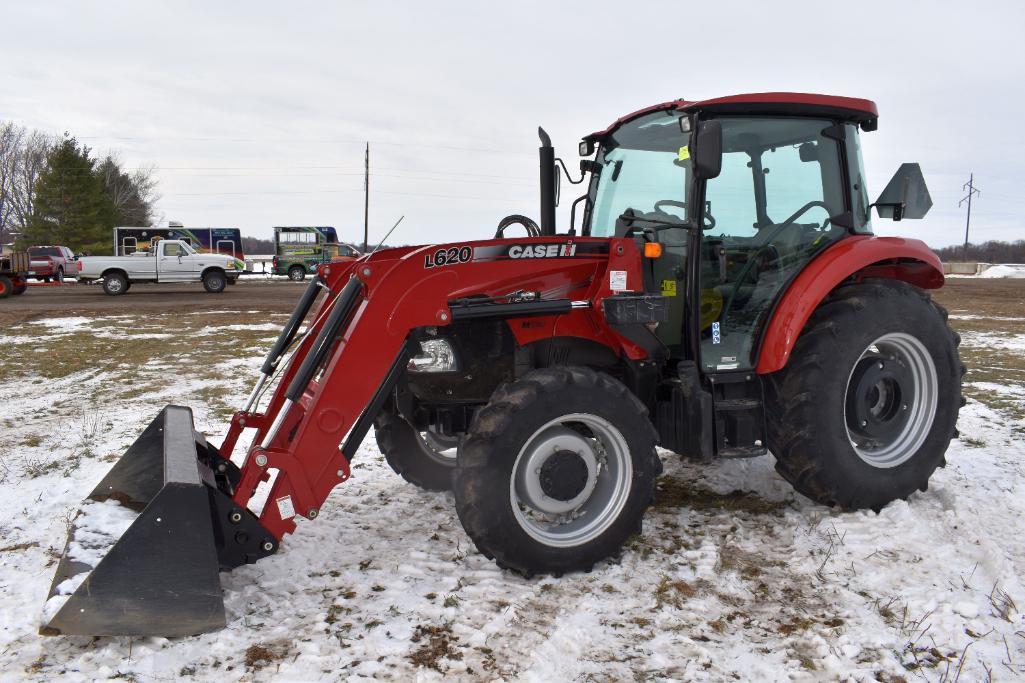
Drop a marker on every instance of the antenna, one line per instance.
(968, 198)
(366, 199)
(388, 234)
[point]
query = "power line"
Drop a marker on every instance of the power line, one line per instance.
(968, 198)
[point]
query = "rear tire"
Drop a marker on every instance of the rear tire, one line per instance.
(556, 471)
(6, 287)
(115, 284)
(59, 277)
(421, 463)
(296, 273)
(19, 287)
(214, 281)
(865, 409)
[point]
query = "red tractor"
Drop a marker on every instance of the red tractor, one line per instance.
(722, 296)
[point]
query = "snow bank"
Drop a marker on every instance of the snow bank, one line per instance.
(1010, 270)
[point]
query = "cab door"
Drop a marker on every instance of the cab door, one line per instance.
(174, 263)
(777, 202)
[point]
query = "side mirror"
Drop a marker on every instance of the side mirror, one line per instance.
(706, 150)
(905, 196)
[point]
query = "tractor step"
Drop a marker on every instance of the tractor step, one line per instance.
(144, 552)
(737, 403)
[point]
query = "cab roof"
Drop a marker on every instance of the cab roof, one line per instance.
(853, 109)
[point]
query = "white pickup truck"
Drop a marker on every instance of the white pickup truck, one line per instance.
(167, 261)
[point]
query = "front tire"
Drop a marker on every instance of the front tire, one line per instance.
(6, 287)
(556, 471)
(864, 411)
(115, 284)
(419, 459)
(59, 277)
(214, 282)
(296, 273)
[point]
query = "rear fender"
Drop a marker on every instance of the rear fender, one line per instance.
(856, 258)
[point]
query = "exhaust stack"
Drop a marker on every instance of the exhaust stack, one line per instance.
(547, 157)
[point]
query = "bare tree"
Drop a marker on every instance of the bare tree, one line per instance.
(11, 137)
(30, 162)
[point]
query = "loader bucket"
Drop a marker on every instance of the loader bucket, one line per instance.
(144, 552)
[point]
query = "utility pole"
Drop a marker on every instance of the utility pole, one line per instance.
(970, 186)
(366, 200)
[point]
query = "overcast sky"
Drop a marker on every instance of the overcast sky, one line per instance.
(255, 113)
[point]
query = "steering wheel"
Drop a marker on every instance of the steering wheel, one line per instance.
(683, 205)
(669, 202)
(532, 229)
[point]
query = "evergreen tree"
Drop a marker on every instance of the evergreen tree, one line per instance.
(72, 206)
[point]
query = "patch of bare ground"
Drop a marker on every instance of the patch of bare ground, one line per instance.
(436, 645)
(259, 656)
(677, 493)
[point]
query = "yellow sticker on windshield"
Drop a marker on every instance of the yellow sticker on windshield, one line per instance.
(684, 154)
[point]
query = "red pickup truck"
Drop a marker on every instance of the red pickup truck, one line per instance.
(51, 263)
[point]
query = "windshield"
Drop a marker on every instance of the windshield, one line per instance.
(645, 170)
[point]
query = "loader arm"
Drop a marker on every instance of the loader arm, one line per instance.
(358, 342)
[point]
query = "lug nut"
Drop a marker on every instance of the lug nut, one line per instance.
(366, 272)
(312, 514)
(268, 546)
(235, 516)
(880, 365)
(261, 460)
(864, 423)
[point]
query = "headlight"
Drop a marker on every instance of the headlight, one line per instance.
(437, 356)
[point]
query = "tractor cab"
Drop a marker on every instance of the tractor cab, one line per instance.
(783, 186)
(739, 194)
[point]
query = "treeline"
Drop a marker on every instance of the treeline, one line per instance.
(987, 252)
(255, 245)
(54, 191)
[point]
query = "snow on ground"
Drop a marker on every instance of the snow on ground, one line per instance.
(1015, 270)
(735, 577)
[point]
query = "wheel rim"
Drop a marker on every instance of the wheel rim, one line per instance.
(891, 399)
(114, 284)
(440, 448)
(571, 480)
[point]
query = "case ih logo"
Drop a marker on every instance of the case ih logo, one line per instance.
(542, 250)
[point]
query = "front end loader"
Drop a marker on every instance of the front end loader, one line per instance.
(704, 305)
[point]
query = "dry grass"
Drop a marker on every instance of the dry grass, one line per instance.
(259, 656)
(673, 493)
(436, 645)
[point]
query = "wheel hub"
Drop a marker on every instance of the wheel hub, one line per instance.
(878, 397)
(558, 471)
(563, 476)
